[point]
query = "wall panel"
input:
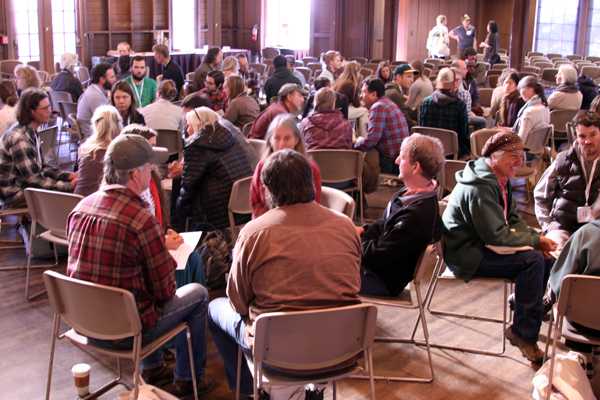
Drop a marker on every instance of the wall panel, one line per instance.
(323, 28)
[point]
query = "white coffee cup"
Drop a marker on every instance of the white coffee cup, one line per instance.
(81, 375)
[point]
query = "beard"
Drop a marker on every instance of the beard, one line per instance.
(138, 77)
(107, 85)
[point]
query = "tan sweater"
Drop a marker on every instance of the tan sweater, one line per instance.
(294, 258)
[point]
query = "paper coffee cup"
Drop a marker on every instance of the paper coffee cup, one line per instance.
(81, 375)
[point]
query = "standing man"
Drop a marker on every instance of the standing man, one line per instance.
(464, 35)
(101, 81)
(144, 88)
(21, 161)
(171, 69)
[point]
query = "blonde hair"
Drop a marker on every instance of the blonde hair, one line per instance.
(106, 125)
(201, 117)
(236, 86)
(29, 74)
(230, 64)
(440, 19)
(351, 73)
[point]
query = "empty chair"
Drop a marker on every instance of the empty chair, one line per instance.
(559, 119)
(83, 74)
(534, 53)
(478, 139)
(338, 200)
(531, 69)
(543, 64)
(11, 244)
(493, 77)
(309, 59)
(341, 166)
(7, 68)
(499, 67)
(549, 76)
(43, 76)
(239, 203)
(448, 138)
(485, 97)
(171, 140)
(591, 71)
(553, 55)
(297, 348)
(49, 209)
(314, 67)
(592, 59)
(306, 72)
(574, 57)
(104, 313)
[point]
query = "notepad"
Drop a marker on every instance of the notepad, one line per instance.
(182, 253)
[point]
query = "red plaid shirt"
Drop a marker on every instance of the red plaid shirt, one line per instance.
(115, 241)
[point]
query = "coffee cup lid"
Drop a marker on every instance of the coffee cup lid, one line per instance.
(80, 369)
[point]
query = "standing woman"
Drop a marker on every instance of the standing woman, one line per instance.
(348, 84)
(490, 44)
(438, 41)
(121, 96)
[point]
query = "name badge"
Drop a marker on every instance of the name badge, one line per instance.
(584, 214)
(469, 32)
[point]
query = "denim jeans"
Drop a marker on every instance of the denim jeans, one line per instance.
(530, 271)
(188, 305)
(227, 328)
(372, 285)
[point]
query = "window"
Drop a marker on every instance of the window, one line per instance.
(556, 26)
(26, 26)
(184, 29)
(593, 39)
(288, 24)
(63, 27)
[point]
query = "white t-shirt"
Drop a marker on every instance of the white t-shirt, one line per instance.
(438, 41)
(7, 117)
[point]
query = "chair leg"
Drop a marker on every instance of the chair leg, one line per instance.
(334, 390)
(257, 381)
(191, 357)
(29, 268)
(371, 372)
(557, 332)
(136, 366)
(55, 326)
(238, 374)
(425, 333)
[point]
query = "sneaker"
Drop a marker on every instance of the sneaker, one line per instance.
(158, 376)
(185, 389)
(548, 303)
(530, 351)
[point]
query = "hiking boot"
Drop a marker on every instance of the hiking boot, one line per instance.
(530, 351)
(185, 389)
(158, 376)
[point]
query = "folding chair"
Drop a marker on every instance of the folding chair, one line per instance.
(549, 76)
(170, 139)
(478, 139)
(448, 138)
(306, 72)
(297, 348)
(412, 298)
(103, 313)
(337, 166)
(451, 167)
(11, 244)
(578, 303)
(49, 209)
(239, 203)
(559, 119)
(485, 97)
(259, 146)
(338, 200)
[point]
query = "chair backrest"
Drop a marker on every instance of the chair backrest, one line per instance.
(549, 74)
(259, 146)
(478, 139)
(451, 167)
(534, 53)
(239, 202)
(259, 68)
(309, 59)
(74, 125)
(360, 60)
(305, 71)
(536, 141)
(485, 96)
(93, 310)
(553, 55)
(339, 165)
(51, 208)
(543, 64)
(313, 340)
(366, 72)
(67, 108)
(559, 119)
(571, 132)
(269, 52)
(448, 138)
(314, 66)
(530, 68)
(499, 67)
(427, 263)
(592, 58)
(578, 300)
(337, 200)
(371, 66)
(8, 66)
(83, 74)
(573, 57)
(590, 71)
(171, 139)
(48, 140)
(189, 77)
(493, 77)
(56, 97)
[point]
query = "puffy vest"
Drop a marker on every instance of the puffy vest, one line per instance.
(570, 193)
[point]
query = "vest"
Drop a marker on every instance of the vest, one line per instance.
(571, 190)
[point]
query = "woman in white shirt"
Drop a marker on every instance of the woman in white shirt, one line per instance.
(8, 95)
(438, 41)
(534, 114)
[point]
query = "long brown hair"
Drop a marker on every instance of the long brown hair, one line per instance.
(124, 87)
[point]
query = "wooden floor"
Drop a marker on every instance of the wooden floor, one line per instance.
(26, 326)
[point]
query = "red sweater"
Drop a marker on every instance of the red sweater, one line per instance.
(262, 122)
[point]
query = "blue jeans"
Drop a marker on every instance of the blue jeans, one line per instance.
(372, 285)
(227, 328)
(193, 272)
(188, 305)
(530, 271)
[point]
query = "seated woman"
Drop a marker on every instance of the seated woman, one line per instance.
(241, 108)
(283, 133)
(534, 114)
(349, 84)
(393, 244)
(326, 128)
(214, 160)
(384, 71)
(122, 97)
(8, 102)
(511, 102)
(567, 95)
(106, 125)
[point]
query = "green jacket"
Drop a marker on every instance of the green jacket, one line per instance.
(146, 90)
(474, 218)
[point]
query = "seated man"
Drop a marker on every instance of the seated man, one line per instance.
(101, 81)
(297, 256)
(143, 87)
(213, 90)
(114, 240)
(393, 244)
(481, 219)
(570, 185)
(291, 100)
(65, 80)
(386, 128)
(21, 161)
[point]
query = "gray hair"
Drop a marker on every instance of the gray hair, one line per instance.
(288, 121)
(568, 73)
(427, 151)
(288, 178)
(68, 61)
(114, 176)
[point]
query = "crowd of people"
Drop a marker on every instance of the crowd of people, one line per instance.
(120, 234)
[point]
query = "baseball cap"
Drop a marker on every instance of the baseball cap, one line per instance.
(130, 151)
(289, 88)
(403, 68)
(506, 141)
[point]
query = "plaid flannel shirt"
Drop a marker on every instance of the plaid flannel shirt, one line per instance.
(452, 116)
(115, 241)
(386, 129)
(218, 98)
(22, 165)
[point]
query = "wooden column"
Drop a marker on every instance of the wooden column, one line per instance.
(519, 32)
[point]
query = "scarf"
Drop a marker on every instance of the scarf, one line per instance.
(567, 88)
(509, 108)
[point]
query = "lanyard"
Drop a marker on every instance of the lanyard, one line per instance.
(138, 94)
(588, 181)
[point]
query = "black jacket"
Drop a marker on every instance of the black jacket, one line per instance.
(280, 77)
(393, 244)
(214, 160)
(588, 89)
(65, 81)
